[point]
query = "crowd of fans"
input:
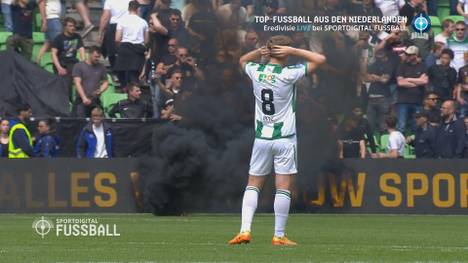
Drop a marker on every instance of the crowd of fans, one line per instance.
(411, 87)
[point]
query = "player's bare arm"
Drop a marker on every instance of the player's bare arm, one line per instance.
(313, 59)
(254, 55)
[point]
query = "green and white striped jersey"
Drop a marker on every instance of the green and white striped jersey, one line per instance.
(458, 48)
(275, 98)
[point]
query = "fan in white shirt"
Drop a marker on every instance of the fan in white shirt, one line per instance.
(396, 141)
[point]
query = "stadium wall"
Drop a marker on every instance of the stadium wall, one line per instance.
(358, 186)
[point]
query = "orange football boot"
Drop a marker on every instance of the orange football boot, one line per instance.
(241, 238)
(282, 241)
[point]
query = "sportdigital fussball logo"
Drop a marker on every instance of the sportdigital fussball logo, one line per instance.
(421, 23)
(42, 226)
(74, 227)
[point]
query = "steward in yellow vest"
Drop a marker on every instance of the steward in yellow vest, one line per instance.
(20, 138)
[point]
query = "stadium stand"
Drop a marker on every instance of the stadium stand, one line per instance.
(228, 41)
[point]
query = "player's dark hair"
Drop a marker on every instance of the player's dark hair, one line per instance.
(279, 40)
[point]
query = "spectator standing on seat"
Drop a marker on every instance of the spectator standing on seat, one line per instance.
(131, 37)
(232, 14)
(20, 140)
(410, 8)
(390, 7)
(22, 16)
(6, 11)
(424, 140)
(145, 8)
(95, 139)
(412, 80)
(450, 134)
(462, 9)
(46, 145)
(51, 25)
(4, 137)
(396, 141)
(379, 75)
(458, 43)
(177, 29)
(133, 106)
(90, 79)
(442, 77)
(65, 48)
(149, 73)
(203, 26)
(112, 12)
(83, 10)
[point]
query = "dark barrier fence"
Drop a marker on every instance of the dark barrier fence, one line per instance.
(361, 186)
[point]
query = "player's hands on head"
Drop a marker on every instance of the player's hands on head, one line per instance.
(264, 51)
(280, 51)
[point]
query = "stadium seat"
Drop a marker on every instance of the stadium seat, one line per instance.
(110, 96)
(436, 30)
(384, 142)
(38, 38)
(110, 99)
(46, 62)
(443, 11)
(455, 18)
(436, 26)
(37, 22)
(443, 3)
(435, 21)
(409, 152)
(111, 88)
(3, 38)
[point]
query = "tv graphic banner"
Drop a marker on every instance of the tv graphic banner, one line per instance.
(358, 186)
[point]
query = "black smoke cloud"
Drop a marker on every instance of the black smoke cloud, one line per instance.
(200, 164)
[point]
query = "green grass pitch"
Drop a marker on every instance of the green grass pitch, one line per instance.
(203, 238)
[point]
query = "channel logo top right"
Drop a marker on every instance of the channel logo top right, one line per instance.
(421, 23)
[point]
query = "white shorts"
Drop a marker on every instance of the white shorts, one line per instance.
(280, 152)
